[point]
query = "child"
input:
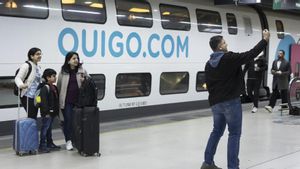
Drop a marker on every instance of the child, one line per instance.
(49, 108)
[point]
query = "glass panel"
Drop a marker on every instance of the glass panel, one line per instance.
(231, 23)
(133, 85)
(209, 21)
(84, 10)
(280, 29)
(175, 17)
(174, 82)
(134, 13)
(6, 92)
(25, 8)
(201, 85)
(248, 26)
(99, 79)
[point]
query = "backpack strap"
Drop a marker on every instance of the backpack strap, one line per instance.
(29, 70)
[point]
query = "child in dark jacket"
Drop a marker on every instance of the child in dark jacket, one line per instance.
(49, 108)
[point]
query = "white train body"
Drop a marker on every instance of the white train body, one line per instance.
(111, 49)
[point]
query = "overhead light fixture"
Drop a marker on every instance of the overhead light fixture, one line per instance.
(96, 5)
(11, 4)
(68, 1)
(166, 13)
(88, 2)
(139, 10)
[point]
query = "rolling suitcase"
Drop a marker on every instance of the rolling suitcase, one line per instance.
(86, 130)
(26, 135)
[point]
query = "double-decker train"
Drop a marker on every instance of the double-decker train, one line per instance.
(146, 56)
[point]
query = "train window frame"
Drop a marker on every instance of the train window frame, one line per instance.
(231, 24)
(206, 25)
(279, 29)
(162, 92)
(201, 87)
(9, 95)
(130, 15)
(137, 93)
(83, 19)
(33, 15)
(100, 96)
(171, 26)
(248, 26)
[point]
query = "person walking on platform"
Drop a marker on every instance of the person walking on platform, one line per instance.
(224, 77)
(255, 69)
(281, 70)
(69, 81)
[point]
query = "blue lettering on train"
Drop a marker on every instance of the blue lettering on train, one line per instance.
(116, 44)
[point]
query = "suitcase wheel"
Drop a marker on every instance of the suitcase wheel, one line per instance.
(98, 154)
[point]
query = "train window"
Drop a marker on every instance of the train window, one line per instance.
(200, 84)
(99, 80)
(248, 26)
(175, 17)
(231, 23)
(134, 13)
(280, 29)
(25, 8)
(6, 91)
(93, 11)
(133, 85)
(209, 21)
(174, 82)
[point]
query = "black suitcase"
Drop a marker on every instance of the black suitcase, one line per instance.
(86, 130)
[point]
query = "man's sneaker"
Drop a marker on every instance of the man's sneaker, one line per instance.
(69, 145)
(254, 110)
(207, 166)
(52, 146)
(269, 109)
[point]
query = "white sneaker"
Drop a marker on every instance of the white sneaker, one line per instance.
(269, 109)
(69, 145)
(254, 110)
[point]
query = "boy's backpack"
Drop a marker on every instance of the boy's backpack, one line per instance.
(88, 93)
(37, 95)
(16, 89)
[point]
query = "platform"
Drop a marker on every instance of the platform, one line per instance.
(177, 141)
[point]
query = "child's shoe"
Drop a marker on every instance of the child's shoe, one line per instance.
(52, 146)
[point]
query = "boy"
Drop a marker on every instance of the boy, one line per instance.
(49, 108)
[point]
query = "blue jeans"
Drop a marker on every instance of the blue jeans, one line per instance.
(67, 124)
(46, 131)
(230, 113)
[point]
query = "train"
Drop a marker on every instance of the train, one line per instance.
(146, 56)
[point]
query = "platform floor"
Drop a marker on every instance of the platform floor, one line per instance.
(177, 141)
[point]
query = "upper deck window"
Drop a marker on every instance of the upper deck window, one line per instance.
(231, 23)
(134, 13)
(175, 17)
(280, 29)
(25, 8)
(93, 11)
(209, 21)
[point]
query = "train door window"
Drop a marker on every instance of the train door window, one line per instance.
(200, 84)
(231, 23)
(248, 26)
(25, 8)
(280, 29)
(133, 85)
(174, 82)
(93, 11)
(134, 13)
(209, 21)
(175, 17)
(99, 80)
(6, 92)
